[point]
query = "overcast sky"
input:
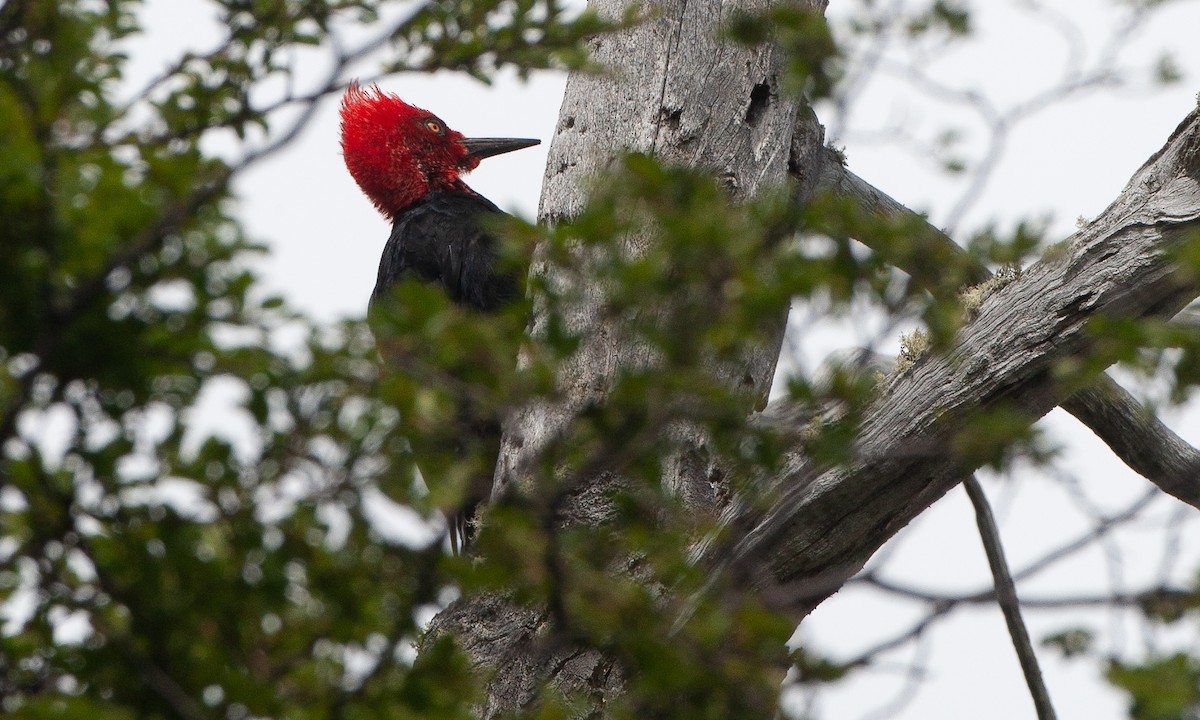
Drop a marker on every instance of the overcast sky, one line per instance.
(1069, 161)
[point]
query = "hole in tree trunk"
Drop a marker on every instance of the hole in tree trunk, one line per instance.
(760, 99)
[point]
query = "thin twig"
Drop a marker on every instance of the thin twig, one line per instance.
(916, 672)
(1006, 598)
(914, 632)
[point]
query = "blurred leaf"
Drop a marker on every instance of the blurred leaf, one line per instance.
(1165, 688)
(1072, 642)
(813, 668)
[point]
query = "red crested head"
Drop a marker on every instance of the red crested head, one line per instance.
(398, 153)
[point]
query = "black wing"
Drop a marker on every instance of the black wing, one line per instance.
(440, 240)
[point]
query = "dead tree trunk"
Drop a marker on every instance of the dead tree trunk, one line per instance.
(680, 91)
(675, 89)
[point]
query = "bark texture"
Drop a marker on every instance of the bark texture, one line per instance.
(1132, 432)
(675, 90)
(829, 521)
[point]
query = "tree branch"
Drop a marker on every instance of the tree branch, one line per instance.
(1139, 438)
(828, 521)
(1134, 434)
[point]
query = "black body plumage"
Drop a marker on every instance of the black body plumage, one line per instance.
(443, 239)
(440, 239)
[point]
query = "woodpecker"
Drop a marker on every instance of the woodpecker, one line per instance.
(410, 165)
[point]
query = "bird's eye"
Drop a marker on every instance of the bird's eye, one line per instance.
(433, 126)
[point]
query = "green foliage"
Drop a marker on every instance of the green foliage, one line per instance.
(1016, 247)
(1169, 606)
(1072, 642)
(1165, 350)
(481, 36)
(716, 278)
(812, 668)
(686, 305)
(1166, 688)
(952, 18)
(939, 21)
(157, 566)
(996, 436)
(1167, 70)
(812, 58)
(1160, 686)
(161, 567)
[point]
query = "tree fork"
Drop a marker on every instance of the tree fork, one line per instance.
(1133, 433)
(679, 91)
(828, 522)
(682, 95)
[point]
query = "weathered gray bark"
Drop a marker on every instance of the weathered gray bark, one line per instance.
(1132, 432)
(678, 92)
(830, 521)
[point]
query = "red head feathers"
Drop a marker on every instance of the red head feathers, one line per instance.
(398, 153)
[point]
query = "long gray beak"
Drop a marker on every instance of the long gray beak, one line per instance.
(487, 147)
